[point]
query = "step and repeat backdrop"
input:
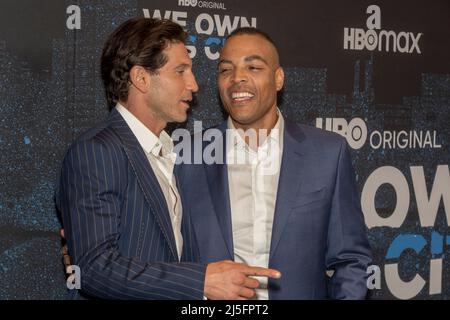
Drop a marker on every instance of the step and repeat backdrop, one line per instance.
(376, 72)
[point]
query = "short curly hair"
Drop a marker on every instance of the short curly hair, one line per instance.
(141, 42)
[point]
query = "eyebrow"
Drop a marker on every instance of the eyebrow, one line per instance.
(255, 57)
(182, 66)
(246, 59)
(223, 61)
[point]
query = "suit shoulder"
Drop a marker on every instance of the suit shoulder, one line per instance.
(101, 136)
(321, 136)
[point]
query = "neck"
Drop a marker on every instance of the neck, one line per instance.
(262, 128)
(145, 116)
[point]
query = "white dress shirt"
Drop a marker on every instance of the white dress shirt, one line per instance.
(160, 155)
(253, 186)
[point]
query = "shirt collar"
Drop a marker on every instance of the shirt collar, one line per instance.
(146, 138)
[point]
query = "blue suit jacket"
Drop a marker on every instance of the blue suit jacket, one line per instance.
(117, 223)
(318, 224)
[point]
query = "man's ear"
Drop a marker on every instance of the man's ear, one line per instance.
(279, 78)
(140, 78)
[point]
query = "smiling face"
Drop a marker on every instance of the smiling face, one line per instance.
(172, 86)
(249, 79)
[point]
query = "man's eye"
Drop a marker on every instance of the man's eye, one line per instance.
(224, 70)
(253, 68)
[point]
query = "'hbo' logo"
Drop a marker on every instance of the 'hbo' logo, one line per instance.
(354, 131)
(187, 3)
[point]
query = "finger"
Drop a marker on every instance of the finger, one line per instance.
(246, 293)
(65, 249)
(251, 283)
(66, 260)
(62, 233)
(263, 272)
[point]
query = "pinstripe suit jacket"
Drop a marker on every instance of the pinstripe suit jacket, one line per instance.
(117, 222)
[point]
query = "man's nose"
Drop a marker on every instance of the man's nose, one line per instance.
(239, 75)
(192, 83)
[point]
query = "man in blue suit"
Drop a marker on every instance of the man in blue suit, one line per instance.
(291, 204)
(121, 209)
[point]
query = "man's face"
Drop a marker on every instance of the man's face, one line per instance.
(249, 79)
(172, 87)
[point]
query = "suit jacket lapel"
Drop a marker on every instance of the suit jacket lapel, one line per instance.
(217, 175)
(145, 177)
(292, 166)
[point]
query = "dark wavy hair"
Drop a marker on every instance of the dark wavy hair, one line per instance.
(136, 42)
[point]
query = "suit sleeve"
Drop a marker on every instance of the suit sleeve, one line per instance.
(90, 199)
(348, 252)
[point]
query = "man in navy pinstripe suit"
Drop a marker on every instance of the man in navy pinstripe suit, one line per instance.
(118, 197)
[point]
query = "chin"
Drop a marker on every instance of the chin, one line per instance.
(182, 118)
(242, 120)
(241, 116)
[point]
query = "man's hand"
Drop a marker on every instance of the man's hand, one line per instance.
(65, 250)
(228, 280)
